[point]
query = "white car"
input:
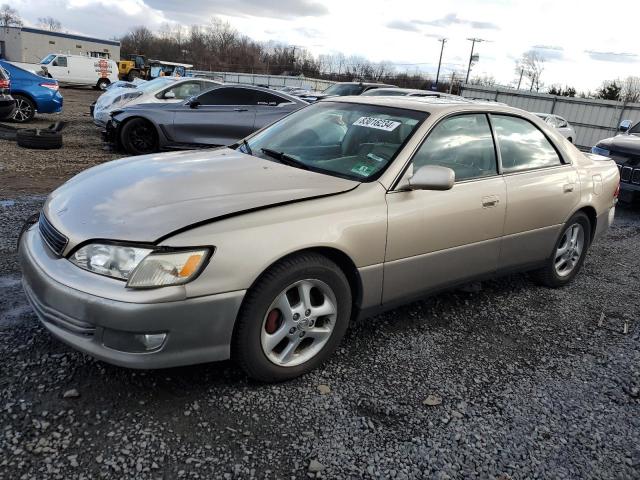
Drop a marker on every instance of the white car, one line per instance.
(560, 124)
(158, 90)
(80, 70)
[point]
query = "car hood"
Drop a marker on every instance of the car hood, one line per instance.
(147, 198)
(628, 145)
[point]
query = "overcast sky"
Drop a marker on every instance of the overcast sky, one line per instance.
(584, 42)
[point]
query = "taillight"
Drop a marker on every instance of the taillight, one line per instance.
(50, 86)
(5, 83)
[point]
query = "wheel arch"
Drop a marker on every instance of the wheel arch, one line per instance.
(592, 215)
(341, 259)
(24, 93)
(126, 120)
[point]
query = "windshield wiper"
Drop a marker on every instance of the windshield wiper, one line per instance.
(284, 158)
(246, 146)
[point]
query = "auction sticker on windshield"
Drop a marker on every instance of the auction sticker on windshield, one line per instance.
(378, 123)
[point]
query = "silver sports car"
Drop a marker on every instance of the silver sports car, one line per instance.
(219, 116)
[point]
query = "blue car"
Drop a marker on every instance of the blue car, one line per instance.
(32, 93)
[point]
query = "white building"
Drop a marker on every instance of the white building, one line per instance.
(30, 45)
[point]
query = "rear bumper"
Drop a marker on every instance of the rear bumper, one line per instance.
(197, 330)
(53, 104)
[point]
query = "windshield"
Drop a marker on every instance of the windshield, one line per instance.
(343, 89)
(155, 84)
(46, 60)
(347, 140)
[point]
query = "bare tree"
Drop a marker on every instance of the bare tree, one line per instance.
(50, 23)
(531, 66)
(483, 80)
(630, 90)
(9, 17)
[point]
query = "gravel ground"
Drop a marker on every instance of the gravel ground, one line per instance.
(512, 381)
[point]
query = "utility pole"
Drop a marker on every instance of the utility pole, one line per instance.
(473, 44)
(521, 74)
(443, 41)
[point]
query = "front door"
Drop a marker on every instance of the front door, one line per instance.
(223, 116)
(439, 238)
(59, 68)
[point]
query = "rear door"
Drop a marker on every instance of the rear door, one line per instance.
(542, 191)
(221, 117)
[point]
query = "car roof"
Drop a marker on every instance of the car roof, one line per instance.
(261, 89)
(430, 104)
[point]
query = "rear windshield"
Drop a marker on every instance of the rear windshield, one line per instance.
(343, 89)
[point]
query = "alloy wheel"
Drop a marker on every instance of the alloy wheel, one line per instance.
(569, 250)
(298, 323)
(23, 110)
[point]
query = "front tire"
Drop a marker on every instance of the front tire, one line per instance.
(568, 254)
(102, 84)
(292, 318)
(25, 109)
(138, 137)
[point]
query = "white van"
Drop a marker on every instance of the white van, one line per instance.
(81, 70)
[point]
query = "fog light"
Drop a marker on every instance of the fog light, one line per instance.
(151, 341)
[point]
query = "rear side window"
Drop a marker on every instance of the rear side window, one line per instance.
(268, 99)
(522, 145)
(227, 96)
(462, 143)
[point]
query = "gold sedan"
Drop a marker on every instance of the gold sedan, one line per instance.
(265, 250)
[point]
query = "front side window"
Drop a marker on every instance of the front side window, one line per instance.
(462, 143)
(227, 96)
(347, 140)
(185, 90)
(60, 62)
(522, 145)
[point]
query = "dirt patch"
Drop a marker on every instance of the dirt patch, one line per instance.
(25, 171)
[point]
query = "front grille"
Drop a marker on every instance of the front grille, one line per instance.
(625, 176)
(56, 241)
(635, 178)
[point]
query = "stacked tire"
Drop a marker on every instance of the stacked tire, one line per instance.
(35, 138)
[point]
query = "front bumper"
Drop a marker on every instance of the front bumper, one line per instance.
(197, 330)
(109, 133)
(629, 192)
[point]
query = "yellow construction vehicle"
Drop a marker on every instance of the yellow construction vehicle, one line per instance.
(138, 67)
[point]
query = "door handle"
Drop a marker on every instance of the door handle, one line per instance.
(240, 109)
(490, 201)
(568, 187)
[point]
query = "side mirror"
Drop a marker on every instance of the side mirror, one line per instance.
(432, 177)
(193, 102)
(625, 125)
(169, 95)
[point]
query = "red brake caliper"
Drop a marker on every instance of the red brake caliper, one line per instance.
(273, 321)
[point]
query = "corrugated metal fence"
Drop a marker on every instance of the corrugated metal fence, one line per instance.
(593, 120)
(267, 80)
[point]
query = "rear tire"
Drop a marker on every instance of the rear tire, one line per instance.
(102, 84)
(568, 254)
(138, 137)
(39, 139)
(25, 109)
(321, 316)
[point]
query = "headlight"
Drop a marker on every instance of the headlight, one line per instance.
(141, 267)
